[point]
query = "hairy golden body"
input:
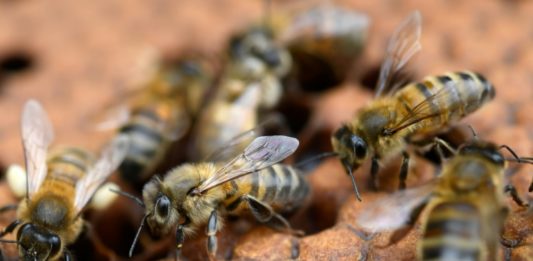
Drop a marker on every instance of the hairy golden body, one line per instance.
(417, 111)
(467, 210)
(160, 114)
(279, 186)
(52, 206)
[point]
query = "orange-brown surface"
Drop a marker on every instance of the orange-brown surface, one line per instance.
(84, 54)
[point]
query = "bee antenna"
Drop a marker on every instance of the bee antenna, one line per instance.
(356, 191)
(9, 241)
(473, 131)
(316, 157)
(128, 195)
(130, 253)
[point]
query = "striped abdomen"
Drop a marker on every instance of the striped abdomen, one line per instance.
(282, 187)
(451, 97)
(147, 145)
(67, 166)
(452, 232)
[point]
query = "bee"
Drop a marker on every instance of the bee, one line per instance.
(58, 188)
(324, 42)
(158, 114)
(193, 195)
(385, 127)
(249, 86)
(465, 206)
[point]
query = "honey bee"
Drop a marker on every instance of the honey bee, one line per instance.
(324, 42)
(383, 128)
(160, 113)
(58, 188)
(249, 86)
(193, 195)
(465, 205)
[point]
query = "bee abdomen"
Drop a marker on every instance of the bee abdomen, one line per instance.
(452, 232)
(451, 96)
(68, 165)
(146, 141)
(283, 186)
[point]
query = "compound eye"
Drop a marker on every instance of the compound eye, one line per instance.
(162, 206)
(55, 244)
(359, 146)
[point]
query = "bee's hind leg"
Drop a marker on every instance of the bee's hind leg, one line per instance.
(265, 214)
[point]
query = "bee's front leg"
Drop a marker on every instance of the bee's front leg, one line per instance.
(404, 170)
(10, 228)
(211, 235)
(180, 238)
(8, 208)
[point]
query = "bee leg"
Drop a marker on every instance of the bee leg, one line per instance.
(10, 228)
(8, 208)
(404, 169)
(265, 214)
(374, 168)
(67, 256)
(295, 249)
(509, 188)
(211, 235)
(180, 238)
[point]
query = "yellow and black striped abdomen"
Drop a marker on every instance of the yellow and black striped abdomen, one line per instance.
(282, 187)
(452, 232)
(448, 97)
(67, 166)
(147, 144)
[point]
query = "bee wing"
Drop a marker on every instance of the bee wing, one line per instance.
(404, 43)
(423, 110)
(37, 135)
(227, 151)
(264, 151)
(110, 159)
(394, 210)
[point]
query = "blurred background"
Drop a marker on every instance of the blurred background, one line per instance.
(77, 57)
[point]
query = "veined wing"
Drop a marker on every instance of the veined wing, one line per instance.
(404, 43)
(394, 211)
(264, 151)
(111, 157)
(37, 135)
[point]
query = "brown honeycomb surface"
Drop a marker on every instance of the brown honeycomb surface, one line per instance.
(76, 57)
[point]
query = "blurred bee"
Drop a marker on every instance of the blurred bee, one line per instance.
(158, 114)
(58, 188)
(193, 195)
(249, 86)
(408, 113)
(465, 206)
(324, 42)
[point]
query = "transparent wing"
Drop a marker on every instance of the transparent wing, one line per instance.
(227, 151)
(423, 110)
(404, 43)
(37, 134)
(111, 157)
(394, 211)
(264, 151)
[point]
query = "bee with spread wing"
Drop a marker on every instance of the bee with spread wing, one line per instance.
(59, 186)
(193, 195)
(403, 114)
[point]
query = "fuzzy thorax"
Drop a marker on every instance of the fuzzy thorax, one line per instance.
(185, 207)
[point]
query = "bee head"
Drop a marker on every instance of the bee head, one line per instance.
(38, 243)
(160, 213)
(486, 150)
(351, 148)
